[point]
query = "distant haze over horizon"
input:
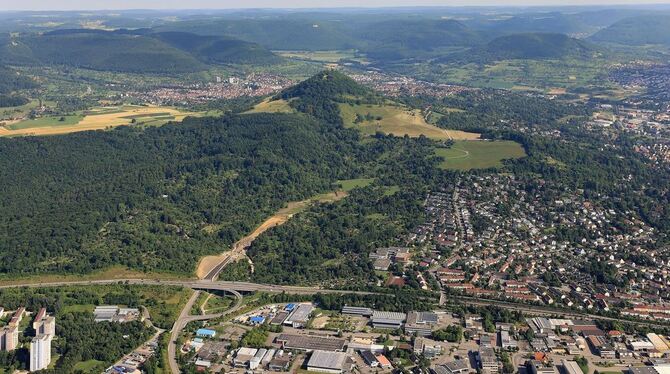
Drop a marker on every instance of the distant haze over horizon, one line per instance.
(7, 5)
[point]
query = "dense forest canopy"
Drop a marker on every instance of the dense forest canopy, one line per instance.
(11, 80)
(330, 243)
(157, 199)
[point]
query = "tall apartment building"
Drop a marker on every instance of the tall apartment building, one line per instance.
(40, 352)
(46, 326)
(9, 338)
(44, 323)
(17, 317)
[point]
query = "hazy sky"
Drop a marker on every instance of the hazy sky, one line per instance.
(220, 4)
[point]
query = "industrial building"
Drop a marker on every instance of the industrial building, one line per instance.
(540, 325)
(255, 361)
(422, 346)
(280, 363)
(369, 359)
(205, 333)
(384, 362)
(458, 366)
(113, 313)
(328, 362)
(642, 370)
(485, 341)
(570, 367)
(381, 264)
(387, 320)
(279, 318)
(538, 367)
(244, 356)
(453, 367)
(487, 360)
(420, 323)
(601, 346)
(211, 350)
(358, 311)
(299, 316)
(310, 343)
(506, 341)
(658, 343)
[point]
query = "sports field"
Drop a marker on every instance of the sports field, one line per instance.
(397, 120)
(483, 154)
(96, 119)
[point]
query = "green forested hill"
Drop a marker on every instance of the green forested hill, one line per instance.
(318, 96)
(97, 50)
(381, 39)
(279, 34)
(549, 22)
(329, 244)
(11, 80)
(213, 49)
(648, 29)
(398, 39)
(530, 46)
(161, 198)
(139, 51)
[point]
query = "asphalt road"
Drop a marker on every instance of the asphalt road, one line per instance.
(185, 318)
(212, 275)
(197, 285)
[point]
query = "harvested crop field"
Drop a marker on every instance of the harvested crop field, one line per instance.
(101, 118)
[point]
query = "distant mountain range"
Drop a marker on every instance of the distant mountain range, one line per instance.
(138, 51)
(389, 39)
(218, 50)
(528, 46)
(276, 34)
(194, 44)
(398, 39)
(649, 29)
